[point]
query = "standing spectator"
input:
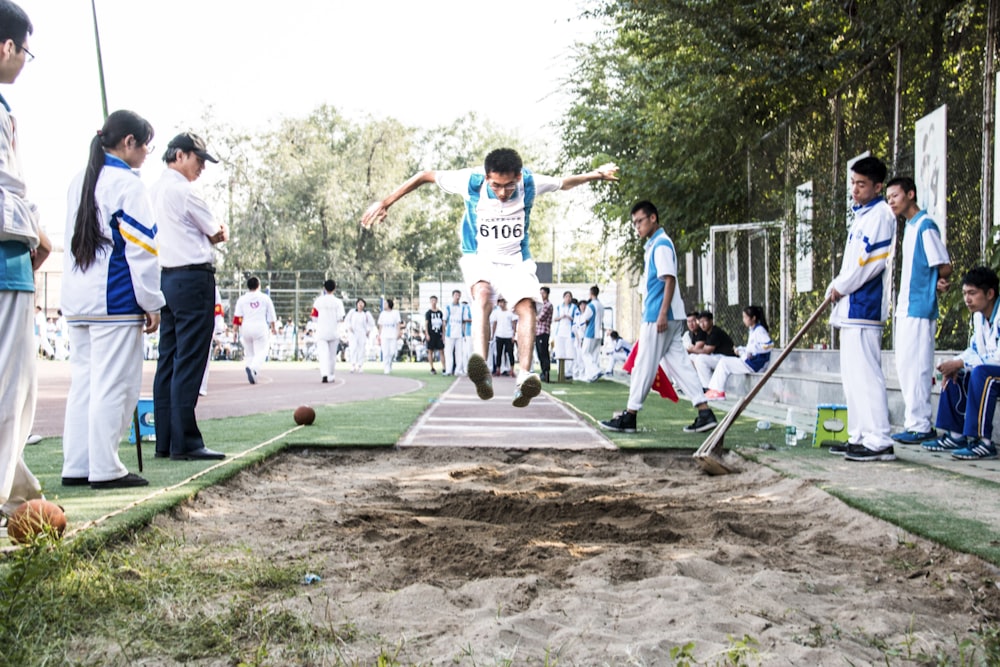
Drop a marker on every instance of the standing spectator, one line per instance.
(217, 331)
(860, 294)
(186, 235)
(328, 313)
(254, 319)
(543, 327)
(970, 390)
(360, 325)
(434, 333)
(496, 249)
(42, 334)
(563, 320)
(62, 337)
(752, 359)
(716, 346)
(926, 268)
(389, 327)
(502, 328)
(593, 335)
(661, 328)
(456, 316)
(19, 258)
(111, 294)
(579, 328)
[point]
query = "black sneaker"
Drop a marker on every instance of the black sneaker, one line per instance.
(623, 423)
(479, 373)
(865, 455)
(705, 422)
(840, 450)
(75, 481)
(128, 481)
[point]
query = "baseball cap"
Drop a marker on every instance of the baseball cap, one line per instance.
(191, 142)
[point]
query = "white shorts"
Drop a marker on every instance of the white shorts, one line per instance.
(513, 281)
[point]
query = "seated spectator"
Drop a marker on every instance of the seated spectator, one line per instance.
(717, 345)
(753, 358)
(694, 337)
(618, 352)
(970, 390)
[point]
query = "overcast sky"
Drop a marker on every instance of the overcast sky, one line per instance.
(425, 63)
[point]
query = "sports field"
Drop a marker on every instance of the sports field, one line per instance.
(329, 545)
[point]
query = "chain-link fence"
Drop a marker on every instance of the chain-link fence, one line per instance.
(876, 112)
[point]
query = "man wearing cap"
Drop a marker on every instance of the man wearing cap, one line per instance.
(186, 234)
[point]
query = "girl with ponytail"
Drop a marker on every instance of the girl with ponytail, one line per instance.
(110, 296)
(753, 358)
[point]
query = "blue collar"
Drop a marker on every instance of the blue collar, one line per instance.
(860, 207)
(115, 161)
(4, 103)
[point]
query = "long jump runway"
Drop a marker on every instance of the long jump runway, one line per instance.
(461, 419)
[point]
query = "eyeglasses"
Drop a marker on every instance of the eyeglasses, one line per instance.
(503, 187)
(31, 56)
(639, 221)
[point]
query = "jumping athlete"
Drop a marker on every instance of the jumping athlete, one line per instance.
(495, 255)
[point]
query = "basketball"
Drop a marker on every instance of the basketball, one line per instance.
(304, 415)
(33, 518)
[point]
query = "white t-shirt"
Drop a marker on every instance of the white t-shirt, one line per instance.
(388, 323)
(504, 320)
(328, 311)
(255, 312)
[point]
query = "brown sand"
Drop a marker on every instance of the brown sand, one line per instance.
(476, 556)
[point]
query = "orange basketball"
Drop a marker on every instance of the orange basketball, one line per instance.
(33, 518)
(304, 415)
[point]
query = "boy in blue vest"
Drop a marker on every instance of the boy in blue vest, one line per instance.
(926, 268)
(495, 250)
(663, 323)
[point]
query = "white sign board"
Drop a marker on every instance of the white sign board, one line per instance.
(931, 166)
(803, 238)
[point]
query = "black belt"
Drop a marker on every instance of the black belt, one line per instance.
(190, 267)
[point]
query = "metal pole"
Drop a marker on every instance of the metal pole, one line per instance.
(989, 128)
(100, 61)
(897, 112)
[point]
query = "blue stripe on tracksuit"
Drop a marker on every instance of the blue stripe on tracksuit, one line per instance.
(967, 405)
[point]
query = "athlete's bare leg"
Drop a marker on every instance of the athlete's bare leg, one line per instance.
(525, 311)
(477, 369)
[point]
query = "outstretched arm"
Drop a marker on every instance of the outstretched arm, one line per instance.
(377, 211)
(606, 172)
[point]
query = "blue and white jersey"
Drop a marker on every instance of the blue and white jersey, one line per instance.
(491, 228)
(562, 320)
(595, 319)
(984, 344)
(864, 278)
(757, 353)
(16, 273)
(661, 261)
(123, 283)
(454, 315)
(923, 253)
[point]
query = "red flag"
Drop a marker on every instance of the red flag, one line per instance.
(661, 383)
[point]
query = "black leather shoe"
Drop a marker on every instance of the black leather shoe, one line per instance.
(203, 454)
(162, 455)
(128, 481)
(75, 481)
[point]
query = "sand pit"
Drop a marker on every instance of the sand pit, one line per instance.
(476, 556)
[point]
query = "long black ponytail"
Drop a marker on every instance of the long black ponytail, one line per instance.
(757, 313)
(87, 238)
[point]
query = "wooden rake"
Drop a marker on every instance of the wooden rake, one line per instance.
(708, 455)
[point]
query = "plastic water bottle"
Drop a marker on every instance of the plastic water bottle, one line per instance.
(791, 436)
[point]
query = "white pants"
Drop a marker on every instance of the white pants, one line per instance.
(356, 350)
(913, 341)
(666, 350)
(591, 358)
(203, 390)
(705, 365)
(389, 346)
(565, 348)
(864, 387)
(727, 366)
(326, 355)
(454, 355)
(18, 390)
(105, 379)
(255, 343)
